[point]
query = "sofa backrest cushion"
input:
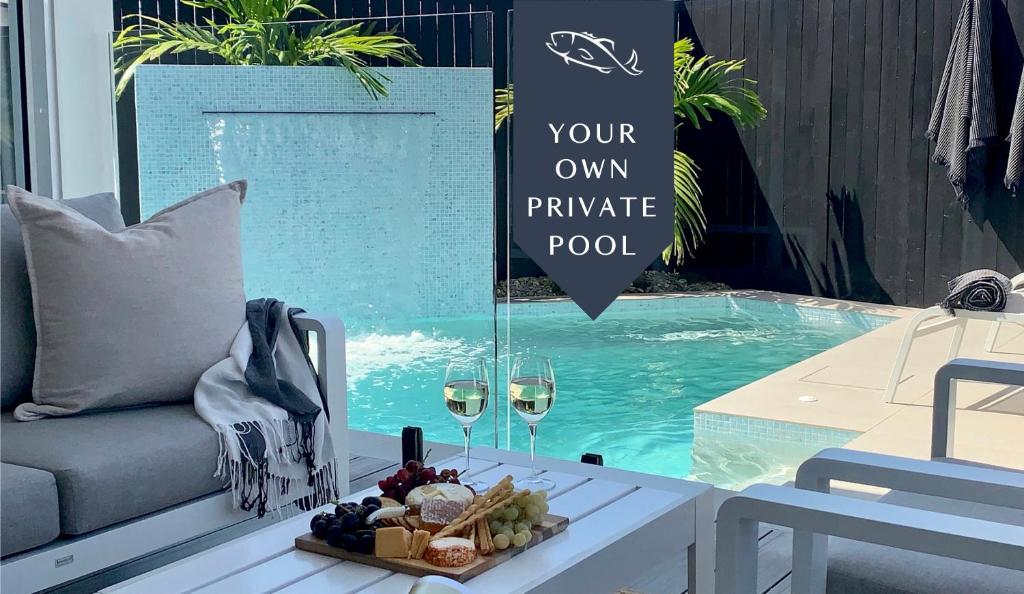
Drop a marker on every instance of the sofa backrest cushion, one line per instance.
(17, 328)
(132, 317)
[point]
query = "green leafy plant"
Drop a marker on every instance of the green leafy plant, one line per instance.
(702, 86)
(502, 106)
(258, 32)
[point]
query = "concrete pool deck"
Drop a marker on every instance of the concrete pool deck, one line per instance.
(848, 382)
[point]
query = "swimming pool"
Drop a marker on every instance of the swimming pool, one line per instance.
(627, 383)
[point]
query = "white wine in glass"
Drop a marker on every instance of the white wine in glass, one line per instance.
(532, 391)
(466, 390)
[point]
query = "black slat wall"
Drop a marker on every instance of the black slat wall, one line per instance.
(834, 193)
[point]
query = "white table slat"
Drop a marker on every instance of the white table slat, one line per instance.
(241, 554)
(272, 575)
(341, 578)
(398, 583)
(586, 498)
(580, 540)
(563, 482)
(476, 465)
(231, 557)
(494, 475)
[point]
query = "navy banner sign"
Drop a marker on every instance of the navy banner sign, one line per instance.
(592, 192)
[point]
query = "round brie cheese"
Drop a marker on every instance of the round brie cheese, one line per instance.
(443, 491)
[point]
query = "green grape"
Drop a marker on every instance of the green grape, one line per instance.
(495, 525)
(508, 532)
(521, 538)
(533, 510)
(501, 541)
(521, 526)
(544, 507)
(511, 512)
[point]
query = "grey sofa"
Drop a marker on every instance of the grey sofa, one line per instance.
(67, 480)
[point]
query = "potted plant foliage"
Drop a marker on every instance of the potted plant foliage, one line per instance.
(258, 32)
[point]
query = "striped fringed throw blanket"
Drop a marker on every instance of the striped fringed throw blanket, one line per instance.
(978, 290)
(1015, 162)
(963, 120)
(265, 403)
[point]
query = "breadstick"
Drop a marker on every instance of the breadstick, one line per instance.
(482, 512)
(483, 532)
(501, 489)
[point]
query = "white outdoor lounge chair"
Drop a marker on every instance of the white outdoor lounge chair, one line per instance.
(1013, 313)
(966, 519)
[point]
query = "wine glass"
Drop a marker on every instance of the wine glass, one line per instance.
(465, 393)
(532, 390)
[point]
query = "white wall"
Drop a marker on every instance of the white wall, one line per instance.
(84, 110)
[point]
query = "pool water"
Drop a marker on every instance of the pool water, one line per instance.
(627, 383)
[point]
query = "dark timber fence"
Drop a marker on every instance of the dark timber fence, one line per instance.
(834, 193)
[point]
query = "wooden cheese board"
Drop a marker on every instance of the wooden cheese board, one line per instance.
(551, 526)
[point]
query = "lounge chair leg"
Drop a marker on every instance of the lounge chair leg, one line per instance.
(993, 333)
(810, 562)
(701, 554)
(958, 339)
(904, 350)
(736, 556)
(810, 550)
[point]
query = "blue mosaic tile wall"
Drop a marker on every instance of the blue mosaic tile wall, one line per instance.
(373, 210)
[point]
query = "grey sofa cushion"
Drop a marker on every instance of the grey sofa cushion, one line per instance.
(28, 509)
(873, 569)
(17, 329)
(132, 317)
(118, 465)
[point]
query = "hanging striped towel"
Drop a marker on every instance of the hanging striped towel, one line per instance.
(963, 119)
(978, 290)
(1015, 162)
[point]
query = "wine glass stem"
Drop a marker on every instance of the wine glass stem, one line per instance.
(466, 430)
(533, 448)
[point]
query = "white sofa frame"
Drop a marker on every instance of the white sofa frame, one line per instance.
(63, 561)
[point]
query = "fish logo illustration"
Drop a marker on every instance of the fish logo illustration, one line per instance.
(588, 50)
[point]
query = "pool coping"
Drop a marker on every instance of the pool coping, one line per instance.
(847, 381)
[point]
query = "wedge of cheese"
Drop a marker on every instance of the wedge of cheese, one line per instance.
(392, 542)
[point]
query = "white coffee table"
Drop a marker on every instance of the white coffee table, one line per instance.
(626, 530)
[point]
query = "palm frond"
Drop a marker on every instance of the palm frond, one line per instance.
(258, 32)
(689, 222)
(148, 42)
(705, 84)
(502, 106)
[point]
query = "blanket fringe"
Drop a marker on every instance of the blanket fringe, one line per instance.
(254, 483)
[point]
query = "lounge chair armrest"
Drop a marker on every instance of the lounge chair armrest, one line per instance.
(927, 477)
(924, 531)
(980, 370)
(964, 482)
(944, 401)
(330, 366)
